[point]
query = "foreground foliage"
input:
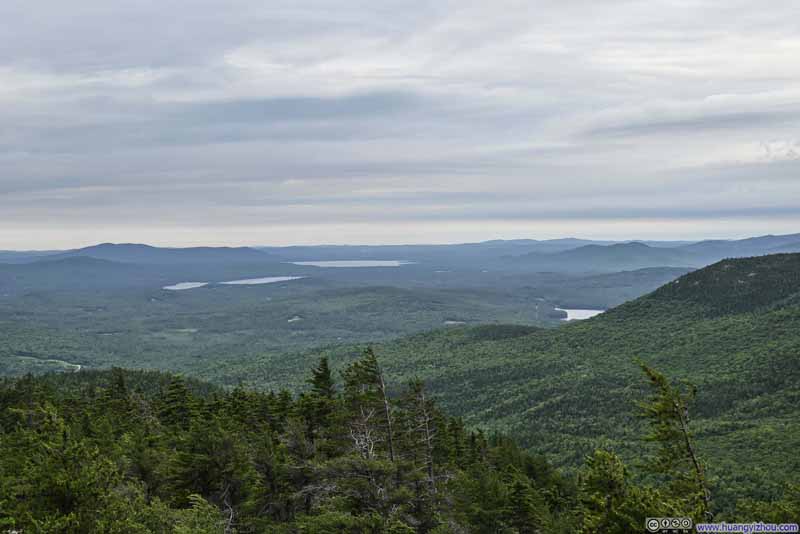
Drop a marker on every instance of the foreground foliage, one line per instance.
(136, 452)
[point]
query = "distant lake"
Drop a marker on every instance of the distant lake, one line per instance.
(245, 282)
(265, 280)
(354, 263)
(185, 285)
(576, 315)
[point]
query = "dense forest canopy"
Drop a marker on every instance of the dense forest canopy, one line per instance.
(139, 452)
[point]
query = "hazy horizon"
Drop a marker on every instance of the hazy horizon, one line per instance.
(168, 244)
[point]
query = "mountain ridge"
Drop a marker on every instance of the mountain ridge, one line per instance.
(616, 257)
(637, 254)
(148, 254)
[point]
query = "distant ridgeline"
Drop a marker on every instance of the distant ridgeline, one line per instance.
(143, 452)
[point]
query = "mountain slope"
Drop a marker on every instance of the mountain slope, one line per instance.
(713, 250)
(24, 256)
(788, 248)
(736, 286)
(75, 273)
(568, 390)
(606, 258)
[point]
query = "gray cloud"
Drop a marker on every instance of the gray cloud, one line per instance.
(726, 121)
(475, 119)
(297, 108)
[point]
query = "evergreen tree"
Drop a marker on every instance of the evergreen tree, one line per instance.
(668, 414)
(319, 409)
(527, 509)
(422, 431)
(321, 380)
(87, 453)
(178, 404)
(367, 395)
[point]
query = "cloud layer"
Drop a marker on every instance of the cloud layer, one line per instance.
(276, 122)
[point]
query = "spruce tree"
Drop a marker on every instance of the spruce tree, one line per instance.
(322, 380)
(367, 395)
(178, 404)
(668, 414)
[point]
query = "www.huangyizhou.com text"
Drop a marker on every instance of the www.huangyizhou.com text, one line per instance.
(747, 528)
(684, 525)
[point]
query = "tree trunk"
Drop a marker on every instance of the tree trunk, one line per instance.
(387, 414)
(683, 418)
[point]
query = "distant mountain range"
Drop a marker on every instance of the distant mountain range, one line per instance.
(146, 254)
(496, 249)
(639, 255)
(120, 266)
(557, 255)
(754, 246)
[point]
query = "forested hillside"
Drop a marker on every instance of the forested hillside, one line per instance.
(140, 452)
(732, 329)
(165, 454)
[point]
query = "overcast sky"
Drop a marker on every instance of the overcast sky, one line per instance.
(182, 122)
